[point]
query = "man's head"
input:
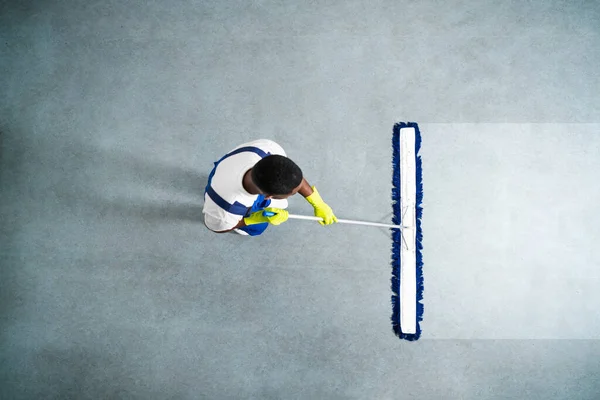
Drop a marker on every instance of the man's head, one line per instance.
(277, 177)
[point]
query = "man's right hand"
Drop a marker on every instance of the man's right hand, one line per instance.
(257, 217)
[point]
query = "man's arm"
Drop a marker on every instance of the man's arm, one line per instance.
(322, 210)
(305, 189)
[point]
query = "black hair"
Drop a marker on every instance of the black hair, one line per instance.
(276, 175)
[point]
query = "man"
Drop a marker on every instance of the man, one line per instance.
(253, 178)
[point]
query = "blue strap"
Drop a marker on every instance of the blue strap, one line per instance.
(256, 150)
(236, 208)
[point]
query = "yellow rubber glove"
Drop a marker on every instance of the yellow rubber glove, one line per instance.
(322, 210)
(280, 216)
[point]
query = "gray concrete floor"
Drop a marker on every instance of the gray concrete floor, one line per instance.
(111, 114)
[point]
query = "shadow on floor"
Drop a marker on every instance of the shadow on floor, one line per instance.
(153, 211)
(129, 185)
(138, 206)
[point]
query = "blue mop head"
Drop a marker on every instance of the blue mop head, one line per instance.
(396, 234)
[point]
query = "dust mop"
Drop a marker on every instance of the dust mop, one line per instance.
(407, 261)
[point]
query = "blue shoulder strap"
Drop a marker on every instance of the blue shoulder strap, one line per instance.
(235, 208)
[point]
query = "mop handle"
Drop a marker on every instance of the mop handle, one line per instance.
(341, 221)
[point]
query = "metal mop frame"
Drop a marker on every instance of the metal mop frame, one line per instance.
(353, 222)
(347, 221)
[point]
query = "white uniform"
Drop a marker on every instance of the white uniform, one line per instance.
(227, 182)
